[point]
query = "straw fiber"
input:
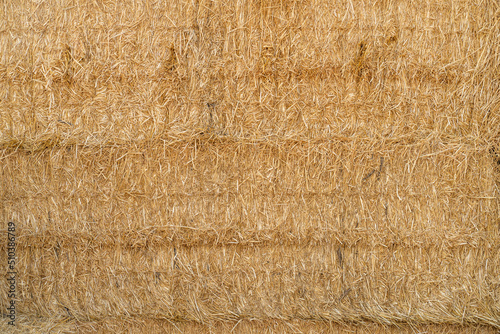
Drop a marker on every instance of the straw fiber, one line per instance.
(251, 166)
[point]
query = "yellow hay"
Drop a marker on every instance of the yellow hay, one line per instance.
(280, 166)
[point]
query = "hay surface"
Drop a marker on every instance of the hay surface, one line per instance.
(252, 165)
(144, 325)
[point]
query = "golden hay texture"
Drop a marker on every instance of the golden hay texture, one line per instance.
(257, 166)
(144, 325)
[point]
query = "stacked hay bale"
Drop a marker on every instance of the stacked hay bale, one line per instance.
(251, 165)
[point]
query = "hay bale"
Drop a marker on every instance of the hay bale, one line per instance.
(134, 325)
(219, 165)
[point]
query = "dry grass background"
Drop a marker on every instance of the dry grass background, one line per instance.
(315, 166)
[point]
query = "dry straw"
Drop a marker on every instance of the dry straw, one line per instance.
(279, 166)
